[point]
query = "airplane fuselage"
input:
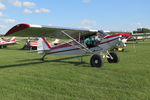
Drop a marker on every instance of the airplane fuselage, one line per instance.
(71, 47)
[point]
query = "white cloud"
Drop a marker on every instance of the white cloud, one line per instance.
(1, 14)
(29, 4)
(27, 11)
(3, 27)
(45, 10)
(86, 1)
(42, 10)
(2, 6)
(89, 22)
(11, 21)
(37, 11)
(17, 3)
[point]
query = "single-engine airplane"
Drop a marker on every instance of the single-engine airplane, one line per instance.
(103, 48)
(3, 43)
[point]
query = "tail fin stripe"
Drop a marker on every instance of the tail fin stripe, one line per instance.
(13, 39)
(46, 42)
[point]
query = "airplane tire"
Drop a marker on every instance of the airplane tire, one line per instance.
(97, 60)
(115, 59)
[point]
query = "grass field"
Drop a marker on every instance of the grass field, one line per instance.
(24, 77)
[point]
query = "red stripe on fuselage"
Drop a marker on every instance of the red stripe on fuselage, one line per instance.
(64, 51)
(109, 40)
(110, 36)
(79, 48)
(62, 46)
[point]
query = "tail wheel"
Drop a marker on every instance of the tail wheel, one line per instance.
(115, 57)
(97, 60)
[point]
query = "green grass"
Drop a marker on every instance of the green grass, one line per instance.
(24, 77)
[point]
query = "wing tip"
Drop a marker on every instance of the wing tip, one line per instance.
(16, 28)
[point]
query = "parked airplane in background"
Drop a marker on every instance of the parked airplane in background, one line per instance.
(34, 43)
(4, 44)
(136, 38)
(100, 49)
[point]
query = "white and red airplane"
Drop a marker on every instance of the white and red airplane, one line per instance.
(3, 43)
(103, 48)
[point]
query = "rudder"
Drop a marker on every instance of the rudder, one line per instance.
(13, 39)
(43, 45)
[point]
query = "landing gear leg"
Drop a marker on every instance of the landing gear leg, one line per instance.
(113, 58)
(43, 58)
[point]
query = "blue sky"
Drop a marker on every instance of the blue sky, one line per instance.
(113, 15)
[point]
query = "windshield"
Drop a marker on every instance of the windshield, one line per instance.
(102, 33)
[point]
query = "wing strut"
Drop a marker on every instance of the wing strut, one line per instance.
(88, 50)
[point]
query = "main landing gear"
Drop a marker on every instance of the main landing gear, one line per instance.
(97, 60)
(43, 58)
(113, 58)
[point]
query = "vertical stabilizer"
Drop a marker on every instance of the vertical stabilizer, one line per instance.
(13, 39)
(43, 45)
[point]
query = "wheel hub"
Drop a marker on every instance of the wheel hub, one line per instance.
(96, 61)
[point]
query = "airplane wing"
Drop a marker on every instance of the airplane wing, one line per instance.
(26, 30)
(5, 44)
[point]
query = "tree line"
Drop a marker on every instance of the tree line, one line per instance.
(142, 30)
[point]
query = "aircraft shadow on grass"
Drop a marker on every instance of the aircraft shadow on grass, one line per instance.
(61, 60)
